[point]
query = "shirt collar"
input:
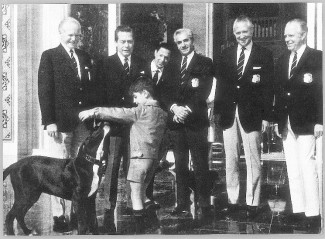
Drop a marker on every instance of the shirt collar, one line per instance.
(300, 51)
(152, 103)
(247, 48)
(68, 50)
(189, 57)
(123, 57)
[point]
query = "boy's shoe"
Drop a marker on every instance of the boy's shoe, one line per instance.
(138, 216)
(151, 205)
(181, 210)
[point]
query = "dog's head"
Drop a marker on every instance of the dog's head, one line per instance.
(95, 147)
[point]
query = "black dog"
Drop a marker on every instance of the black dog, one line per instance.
(72, 179)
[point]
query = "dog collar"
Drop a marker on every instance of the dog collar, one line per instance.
(91, 159)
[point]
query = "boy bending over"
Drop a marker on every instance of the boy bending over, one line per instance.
(148, 122)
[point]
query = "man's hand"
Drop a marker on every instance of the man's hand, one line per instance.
(265, 125)
(86, 114)
(177, 120)
(52, 130)
(181, 112)
(318, 130)
(276, 130)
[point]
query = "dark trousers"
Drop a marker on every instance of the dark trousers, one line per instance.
(119, 147)
(195, 141)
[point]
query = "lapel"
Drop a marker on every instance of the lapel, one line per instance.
(65, 56)
(66, 60)
(117, 63)
(285, 65)
(162, 76)
(134, 69)
(81, 62)
(302, 60)
(250, 60)
(193, 62)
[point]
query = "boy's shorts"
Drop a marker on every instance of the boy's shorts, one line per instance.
(141, 170)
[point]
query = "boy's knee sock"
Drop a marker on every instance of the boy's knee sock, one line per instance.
(139, 221)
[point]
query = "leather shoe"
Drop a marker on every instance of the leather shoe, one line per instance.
(60, 224)
(179, 210)
(205, 216)
(314, 222)
(231, 208)
(251, 212)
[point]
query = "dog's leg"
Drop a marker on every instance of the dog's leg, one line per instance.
(29, 201)
(10, 219)
(91, 214)
(79, 207)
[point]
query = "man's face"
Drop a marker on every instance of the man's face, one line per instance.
(125, 43)
(243, 33)
(162, 57)
(70, 35)
(293, 36)
(184, 43)
(140, 97)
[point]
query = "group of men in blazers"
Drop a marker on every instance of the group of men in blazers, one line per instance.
(249, 95)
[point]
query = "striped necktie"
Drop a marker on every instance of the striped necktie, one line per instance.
(240, 64)
(126, 66)
(155, 77)
(74, 63)
(293, 65)
(183, 68)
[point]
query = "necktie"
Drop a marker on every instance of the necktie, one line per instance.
(293, 65)
(155, 77)
(240, 64)
(183, 67)
(74, 62)
(126, 66)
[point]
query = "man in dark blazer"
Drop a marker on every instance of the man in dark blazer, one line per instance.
(162, 75)
(115, 74)
(299, 113)
(64, 89)
(188, 122)
(243, 105)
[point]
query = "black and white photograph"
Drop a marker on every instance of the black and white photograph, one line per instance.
(220, 103)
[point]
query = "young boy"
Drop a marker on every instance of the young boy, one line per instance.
(148, 122)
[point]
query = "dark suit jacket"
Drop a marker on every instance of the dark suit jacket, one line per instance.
(254, 100)
(184, 94)
(62, 95)
(302, 101)
(165, 86)
(113, 85)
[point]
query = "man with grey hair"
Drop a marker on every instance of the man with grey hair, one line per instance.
(64, 89)
(188, 123)
(299, 113)
(243, 106)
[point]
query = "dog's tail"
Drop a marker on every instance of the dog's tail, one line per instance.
(7, 171)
